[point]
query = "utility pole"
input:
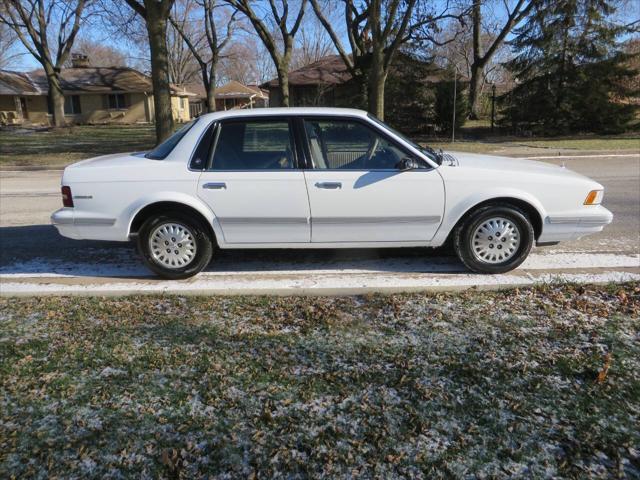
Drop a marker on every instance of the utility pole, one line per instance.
(455, 86)
(493, 106)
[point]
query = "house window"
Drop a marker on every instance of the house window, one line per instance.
(72, 105)
(184, 103)
(117, 101)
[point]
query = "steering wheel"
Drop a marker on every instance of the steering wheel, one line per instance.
(372, 148)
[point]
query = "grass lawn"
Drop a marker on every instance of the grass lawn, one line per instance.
(60, 147)
(529, 383)
(504, 145)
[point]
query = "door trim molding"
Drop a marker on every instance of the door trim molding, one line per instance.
(375, 220)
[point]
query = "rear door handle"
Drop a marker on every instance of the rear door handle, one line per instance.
(215, 186)
(329, 185)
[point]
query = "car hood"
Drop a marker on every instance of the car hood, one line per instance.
(508, 164)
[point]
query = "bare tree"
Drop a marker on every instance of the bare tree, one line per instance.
(313, 43)
(376, 29)
(514, 14)
(280, 47)
(37, 23)
(8, 42)
(206, 47)
(247, 61)
(156, 15)
(100, 54)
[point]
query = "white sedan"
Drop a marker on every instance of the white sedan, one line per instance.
(320, 178)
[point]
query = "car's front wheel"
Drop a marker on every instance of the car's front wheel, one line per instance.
(494, 239)
(175, 246)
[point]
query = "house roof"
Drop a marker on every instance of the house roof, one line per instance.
(329, 70)
(231, 89)
(85, 80)
(235, 89)
(16, 83)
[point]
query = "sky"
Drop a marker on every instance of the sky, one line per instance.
(98, 32)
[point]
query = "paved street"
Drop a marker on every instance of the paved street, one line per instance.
(34, 258)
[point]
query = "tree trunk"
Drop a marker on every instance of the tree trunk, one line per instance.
(56, 97)
(283, 85)
(377, 80)
(477, 66)
(474, 90)
(157, 29)
(211, 87)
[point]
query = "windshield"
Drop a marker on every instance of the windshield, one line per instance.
(428, 151)
(164, 149)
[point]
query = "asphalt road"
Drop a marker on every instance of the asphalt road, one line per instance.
(32, 253)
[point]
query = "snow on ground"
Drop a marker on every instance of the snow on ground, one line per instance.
(310, 275)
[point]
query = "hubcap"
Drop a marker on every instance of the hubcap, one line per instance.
(172, 245)
(495, 240)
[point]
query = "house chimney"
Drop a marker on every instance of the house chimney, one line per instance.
(80, 60)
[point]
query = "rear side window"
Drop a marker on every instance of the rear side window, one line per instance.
(164, 149)
(254, 145)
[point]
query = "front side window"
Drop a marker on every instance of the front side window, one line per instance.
(72, 105)
(254, 145)
(350, 145)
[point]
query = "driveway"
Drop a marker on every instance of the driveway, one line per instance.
(35, 259)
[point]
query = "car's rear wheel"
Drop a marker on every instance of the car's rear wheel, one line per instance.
(175, 246)
(494, 239)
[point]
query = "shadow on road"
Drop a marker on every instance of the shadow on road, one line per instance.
(38, 250)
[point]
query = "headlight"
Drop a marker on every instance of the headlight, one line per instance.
(594, 197)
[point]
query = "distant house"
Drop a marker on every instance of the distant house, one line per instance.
(232, 95)
(326, 82)
(93, 95)
(409, 92)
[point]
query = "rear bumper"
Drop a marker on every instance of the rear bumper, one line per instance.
(562, 227)
(79, 225)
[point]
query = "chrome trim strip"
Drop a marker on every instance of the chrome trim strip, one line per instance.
(61, 220)
(374, 220)
(263, 221)
(590, 220)
(88, 221)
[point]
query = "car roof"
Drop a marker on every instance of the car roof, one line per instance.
(265, 112)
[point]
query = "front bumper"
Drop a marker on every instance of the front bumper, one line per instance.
(572, 226)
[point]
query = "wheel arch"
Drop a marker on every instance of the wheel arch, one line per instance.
(531, 210)
(164, 206)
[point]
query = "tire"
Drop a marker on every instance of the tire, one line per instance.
(180, 233)
(494, 239)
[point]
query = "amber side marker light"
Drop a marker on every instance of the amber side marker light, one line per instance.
(67, 199)
(594, 197)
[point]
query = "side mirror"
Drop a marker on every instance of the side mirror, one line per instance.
(408, 163)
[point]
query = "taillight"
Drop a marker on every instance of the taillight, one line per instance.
(67, 199)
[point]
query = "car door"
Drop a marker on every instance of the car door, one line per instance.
(253, 184)
(357, 191)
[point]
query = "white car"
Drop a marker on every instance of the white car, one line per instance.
(320, 178)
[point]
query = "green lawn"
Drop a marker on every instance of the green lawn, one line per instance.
(528, 383)
(511, 145)
(60, 147)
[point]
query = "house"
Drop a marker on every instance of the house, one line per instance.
(93, 95)
(326, 82)
(409, 90)
(229, 96)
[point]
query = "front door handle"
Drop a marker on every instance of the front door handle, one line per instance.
(215, 186)
(329, 185)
